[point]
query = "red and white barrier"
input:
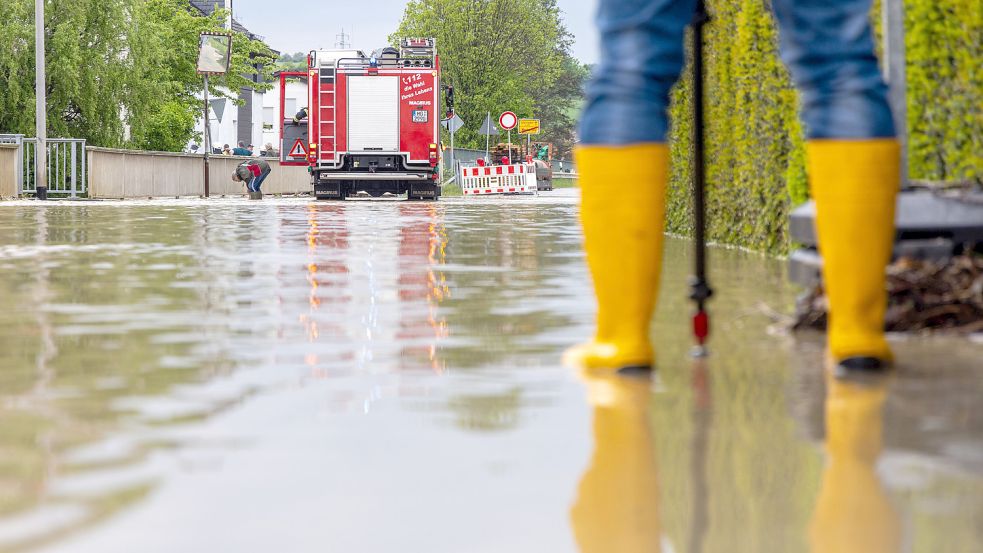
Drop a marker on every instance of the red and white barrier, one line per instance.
(498, 179)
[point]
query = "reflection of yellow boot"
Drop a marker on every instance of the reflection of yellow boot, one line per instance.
(855, 185)
(853, 513)
(617, 507)
(623, 210)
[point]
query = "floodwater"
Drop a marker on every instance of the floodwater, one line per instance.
(382, 376)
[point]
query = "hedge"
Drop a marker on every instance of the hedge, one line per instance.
(755, 150)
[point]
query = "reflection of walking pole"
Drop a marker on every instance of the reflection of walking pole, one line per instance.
(700, 290)
(702, 420)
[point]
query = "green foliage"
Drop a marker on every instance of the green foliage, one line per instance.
(755, 147)
(292, 62)
(754, 140)
(167, 129)
(119, 72)
(944, 48)
(524, 66)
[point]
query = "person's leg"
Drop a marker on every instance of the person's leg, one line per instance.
(853, 163)
(252, 183)
(623, 162)
(258, 181)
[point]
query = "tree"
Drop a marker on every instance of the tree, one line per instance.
(292, 62)
(165, 79)
(115, 66)
(495, 66)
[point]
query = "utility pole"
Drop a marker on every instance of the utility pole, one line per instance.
(450, 125)
(41, 109)
(892, 20)
(342, 43)
(488, 136)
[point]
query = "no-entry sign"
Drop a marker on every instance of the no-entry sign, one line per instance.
(508, 120)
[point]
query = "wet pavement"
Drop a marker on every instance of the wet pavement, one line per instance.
(380, 376)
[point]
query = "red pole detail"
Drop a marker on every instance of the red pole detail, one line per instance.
(701, 327)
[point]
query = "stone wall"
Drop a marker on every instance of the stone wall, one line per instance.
(8, 170)
(135, 174)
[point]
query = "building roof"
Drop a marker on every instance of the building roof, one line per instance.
(208, 7)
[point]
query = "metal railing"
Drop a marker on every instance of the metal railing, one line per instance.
(66, 165)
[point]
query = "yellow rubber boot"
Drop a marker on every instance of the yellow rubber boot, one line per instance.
(853, 513)
(855, 185)
(617, 505)
(623, 204)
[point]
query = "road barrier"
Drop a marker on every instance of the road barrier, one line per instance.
(470, 157)
(137, 174)
(498, 179)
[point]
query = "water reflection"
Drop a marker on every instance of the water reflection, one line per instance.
(617, 505)
(853, 513)
(165, 362)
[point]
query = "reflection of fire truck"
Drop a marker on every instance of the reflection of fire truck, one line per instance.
(372, 122)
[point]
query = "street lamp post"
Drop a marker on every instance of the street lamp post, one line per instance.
(41, 108)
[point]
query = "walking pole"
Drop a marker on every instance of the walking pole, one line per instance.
(700, 290)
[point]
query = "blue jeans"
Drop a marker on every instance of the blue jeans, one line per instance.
(827, 44)
(256, 182)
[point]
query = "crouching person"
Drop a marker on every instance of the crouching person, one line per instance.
(253, 173)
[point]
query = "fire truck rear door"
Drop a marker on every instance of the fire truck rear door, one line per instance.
(373, 113)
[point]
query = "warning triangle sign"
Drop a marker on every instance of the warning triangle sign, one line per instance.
(298, 150)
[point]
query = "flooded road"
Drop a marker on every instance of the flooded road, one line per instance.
(381, 376)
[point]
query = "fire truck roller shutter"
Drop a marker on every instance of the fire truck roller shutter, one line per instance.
(373, 113)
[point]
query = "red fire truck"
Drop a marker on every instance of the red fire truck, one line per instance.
(371, 123)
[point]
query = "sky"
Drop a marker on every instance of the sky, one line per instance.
(313, 24)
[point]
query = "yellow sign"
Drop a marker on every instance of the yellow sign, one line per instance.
(529, 126)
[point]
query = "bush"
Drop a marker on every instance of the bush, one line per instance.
(168, 129)
(755, 149)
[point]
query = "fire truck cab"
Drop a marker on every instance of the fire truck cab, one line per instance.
(372, 122)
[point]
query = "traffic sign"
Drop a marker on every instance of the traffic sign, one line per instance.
(529, 126)
(453, 124)
(508, 120)
(298, 150)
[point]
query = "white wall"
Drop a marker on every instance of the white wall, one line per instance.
(225, 128)
(257, 131)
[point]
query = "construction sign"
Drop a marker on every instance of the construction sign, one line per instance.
(298, 150)
(529, 126)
